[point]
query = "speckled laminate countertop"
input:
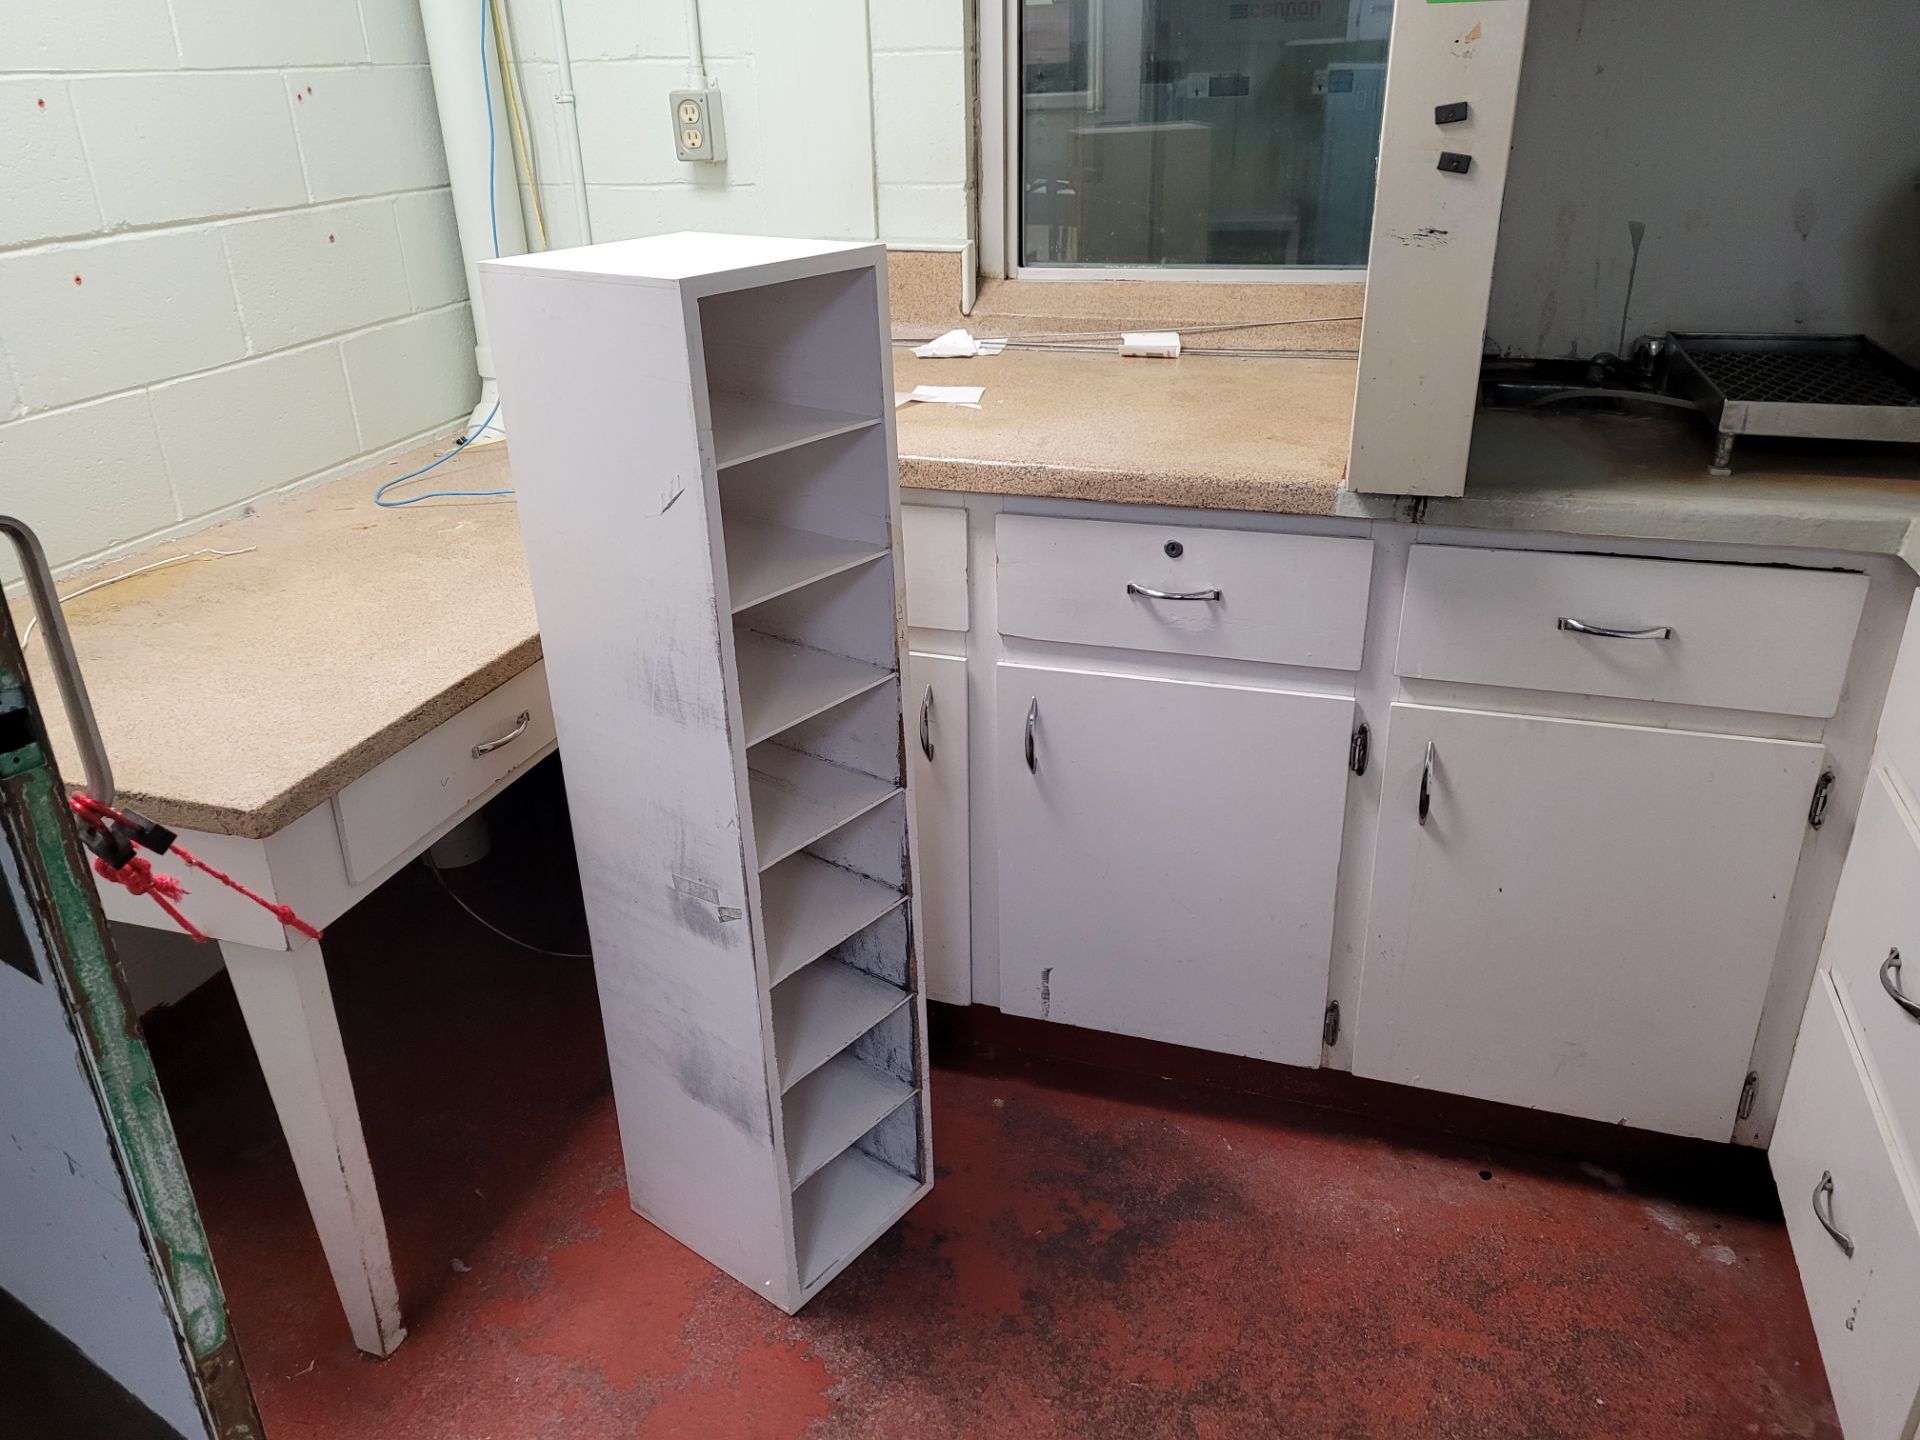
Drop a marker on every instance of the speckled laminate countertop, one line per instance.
(1207, 431)
(236, 694)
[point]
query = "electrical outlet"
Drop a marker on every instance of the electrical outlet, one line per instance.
(698, 134)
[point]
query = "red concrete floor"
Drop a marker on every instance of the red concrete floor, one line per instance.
(1101, 1255)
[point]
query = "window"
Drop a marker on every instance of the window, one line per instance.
(1193, 134)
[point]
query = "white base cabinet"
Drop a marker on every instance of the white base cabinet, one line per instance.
(1586, 918)
(937, 774)
(1168, 852)
(1856, 1235)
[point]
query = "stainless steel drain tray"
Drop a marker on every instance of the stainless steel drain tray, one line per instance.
(1822, 387)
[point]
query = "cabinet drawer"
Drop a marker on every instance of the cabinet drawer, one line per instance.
(1285, 599)
(933, 540)
(1876, 913)
(1865, 1305)
(1739, 637)
(1900, 721)
(431, 781)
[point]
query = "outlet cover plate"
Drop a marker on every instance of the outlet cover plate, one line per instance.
(699, 136)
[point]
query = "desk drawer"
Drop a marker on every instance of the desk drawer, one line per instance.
(1865, 1304)
(388, 809)
(1900, 721)
(1284, 599)
(1876, 913)
(1741, 637)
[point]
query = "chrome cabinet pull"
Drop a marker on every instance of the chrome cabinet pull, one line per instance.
(60, 655)
(1148, 592)
(1033, 719)
(1426, 784)
(1890, 982)
(1607, 632)
(520, 723)
(1824, 1213)
(926, 723)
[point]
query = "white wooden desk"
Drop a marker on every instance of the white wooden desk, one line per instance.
(310, 716)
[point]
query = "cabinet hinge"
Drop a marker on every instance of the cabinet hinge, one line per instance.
(1330, 1030)
(1746, 1094)
(1357, 751)
(1822, 792)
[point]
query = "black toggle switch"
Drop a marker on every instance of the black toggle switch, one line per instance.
(1451, 114)
(1454, 163)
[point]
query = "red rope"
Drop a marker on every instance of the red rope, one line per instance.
(140, 879)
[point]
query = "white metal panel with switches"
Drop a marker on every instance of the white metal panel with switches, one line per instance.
(698, 134)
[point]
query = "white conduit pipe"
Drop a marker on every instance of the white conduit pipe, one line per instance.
(461, 93)
(569, 118)
(696, 50)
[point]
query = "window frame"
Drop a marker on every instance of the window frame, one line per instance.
(998, 88)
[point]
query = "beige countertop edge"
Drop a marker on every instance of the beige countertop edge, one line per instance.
(1282, 495)
(270, 816)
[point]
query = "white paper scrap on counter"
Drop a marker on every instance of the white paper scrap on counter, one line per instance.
(957, 345)
(1154, 344)
(967, 395)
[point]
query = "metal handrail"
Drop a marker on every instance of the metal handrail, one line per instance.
(60, 654)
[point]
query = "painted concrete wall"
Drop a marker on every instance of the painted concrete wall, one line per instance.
(845, 119)
(1771, 148)
(227, 256)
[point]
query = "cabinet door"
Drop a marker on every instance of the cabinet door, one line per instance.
(937, 772)
(1167, 857)
(1838, 1171)
(1586, 922)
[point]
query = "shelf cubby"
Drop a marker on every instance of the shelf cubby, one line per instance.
(821, 1011)
(812, 906)
(783, 683)
(835, 1106)
(844, 1208)
(766, 561)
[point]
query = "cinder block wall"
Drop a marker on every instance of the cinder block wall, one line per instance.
(845, 119)
(227, 257)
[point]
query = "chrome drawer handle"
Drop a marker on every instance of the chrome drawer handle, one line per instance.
(1426, 784)
(1607, 632)
(1824, 1213)
(926, 727)
(1033, 719)
(487, 747)
(1150, 593)
(1890, 982)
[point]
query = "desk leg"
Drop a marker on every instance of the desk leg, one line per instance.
(288, 1007)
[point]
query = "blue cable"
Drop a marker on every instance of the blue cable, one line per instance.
(493, 218)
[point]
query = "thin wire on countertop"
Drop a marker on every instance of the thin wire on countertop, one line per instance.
(477, 917)
(1182, 329)
(201, 554)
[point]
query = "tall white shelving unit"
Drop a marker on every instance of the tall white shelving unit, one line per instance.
(703, 446)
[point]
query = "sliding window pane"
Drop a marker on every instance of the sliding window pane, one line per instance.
(1199, 132)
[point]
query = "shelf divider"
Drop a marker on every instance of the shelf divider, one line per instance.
(745, 427)
(821, 1011)
(783, 683)
(835, 1106)
(768, 560)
